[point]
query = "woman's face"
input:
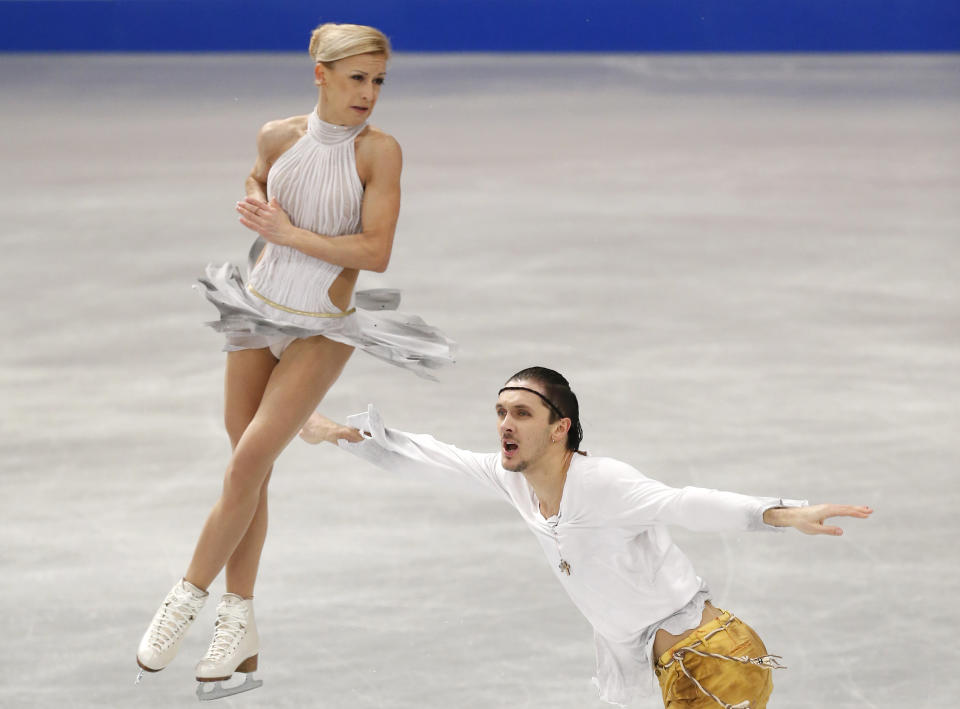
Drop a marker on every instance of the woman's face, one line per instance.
(350, 87)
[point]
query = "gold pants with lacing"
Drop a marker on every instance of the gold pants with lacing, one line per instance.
(723, 663)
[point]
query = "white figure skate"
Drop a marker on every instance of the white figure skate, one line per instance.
(234, 648)
(160, 643)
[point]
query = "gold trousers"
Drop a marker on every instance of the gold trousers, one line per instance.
(723, 663)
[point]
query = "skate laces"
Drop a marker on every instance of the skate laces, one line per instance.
(177, 612)
(228, 632)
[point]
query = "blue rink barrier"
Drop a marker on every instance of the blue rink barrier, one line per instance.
(488, 25)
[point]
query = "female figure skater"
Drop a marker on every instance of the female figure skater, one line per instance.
(324, 194)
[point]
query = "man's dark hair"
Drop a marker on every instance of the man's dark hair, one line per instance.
(559, 399)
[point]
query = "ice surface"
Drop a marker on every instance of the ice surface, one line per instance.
(747, 266)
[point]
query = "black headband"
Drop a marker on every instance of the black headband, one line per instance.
(534, 391)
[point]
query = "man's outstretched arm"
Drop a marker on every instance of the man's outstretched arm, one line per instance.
(635, 501)
(366, 436)
(810, 520)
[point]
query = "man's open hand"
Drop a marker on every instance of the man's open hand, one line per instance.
(319, 428)
(810, 520)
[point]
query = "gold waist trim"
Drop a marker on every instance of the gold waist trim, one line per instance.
(299, 312)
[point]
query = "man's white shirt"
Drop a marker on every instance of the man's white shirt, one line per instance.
(625, 573)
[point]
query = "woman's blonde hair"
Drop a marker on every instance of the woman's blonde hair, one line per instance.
(330, 42)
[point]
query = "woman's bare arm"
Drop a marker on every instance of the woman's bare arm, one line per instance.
(273, 140)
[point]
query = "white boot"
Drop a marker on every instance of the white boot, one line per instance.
(160, 643)
(234, 648)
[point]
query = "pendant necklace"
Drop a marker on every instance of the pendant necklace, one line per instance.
(564, 566)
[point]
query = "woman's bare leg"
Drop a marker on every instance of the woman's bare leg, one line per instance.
(244, 563)
(297, 384)
(247, 374)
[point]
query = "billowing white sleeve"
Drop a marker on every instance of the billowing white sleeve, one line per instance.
(397, 451)
(636, 501)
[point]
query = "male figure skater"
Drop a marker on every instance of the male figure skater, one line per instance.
(603, 527)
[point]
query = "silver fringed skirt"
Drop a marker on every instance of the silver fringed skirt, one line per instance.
(373, 325)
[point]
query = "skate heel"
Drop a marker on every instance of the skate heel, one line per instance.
(248, 665)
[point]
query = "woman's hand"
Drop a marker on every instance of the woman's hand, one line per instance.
(267, 219)
(319, 428)
(810, 519)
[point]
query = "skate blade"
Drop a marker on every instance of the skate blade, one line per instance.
(206, 693)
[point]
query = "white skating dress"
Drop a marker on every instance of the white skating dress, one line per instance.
(316, 183)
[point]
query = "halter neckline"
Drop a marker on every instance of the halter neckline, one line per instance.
(331, 133)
